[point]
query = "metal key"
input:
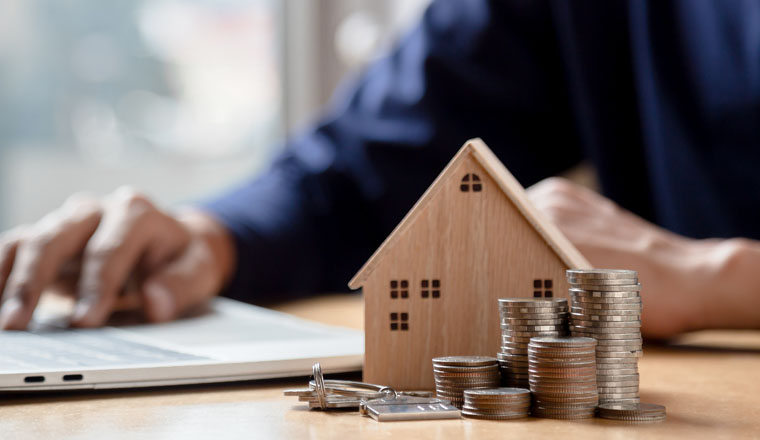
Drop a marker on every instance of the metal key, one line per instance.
(400, 407)
(379, 402)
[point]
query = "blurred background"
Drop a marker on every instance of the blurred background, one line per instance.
(180, 98)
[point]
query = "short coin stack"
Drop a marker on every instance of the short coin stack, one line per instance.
(563, 377)
(632, 412)
(496, 403)
(522, 319)
(606, 305)
(455, 374)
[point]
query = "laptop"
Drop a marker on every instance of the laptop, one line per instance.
(224, 341)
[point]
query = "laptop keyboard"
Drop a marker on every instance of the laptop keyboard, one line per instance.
(76, 349)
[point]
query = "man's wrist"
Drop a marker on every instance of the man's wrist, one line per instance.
(730, 279)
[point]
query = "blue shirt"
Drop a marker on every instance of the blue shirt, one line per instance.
(662, 96)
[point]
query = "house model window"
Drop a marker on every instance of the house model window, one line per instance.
(399, 321)
(471, 180)
(543, 289)
(430, 288)
(399, 289)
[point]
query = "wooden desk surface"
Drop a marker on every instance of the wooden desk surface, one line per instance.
(709, 381)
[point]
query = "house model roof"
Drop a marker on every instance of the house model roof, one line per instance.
(507, 183)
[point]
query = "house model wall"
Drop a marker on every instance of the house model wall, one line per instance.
(431, 289)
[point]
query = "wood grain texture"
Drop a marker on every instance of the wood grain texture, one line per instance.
(481, 246)
(711, 392)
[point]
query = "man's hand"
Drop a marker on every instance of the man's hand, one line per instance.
(94, 249)
(686, 284)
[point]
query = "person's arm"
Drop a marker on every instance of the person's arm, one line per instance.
(687, 284)
(473, 68)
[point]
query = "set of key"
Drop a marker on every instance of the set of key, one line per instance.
(379, 402)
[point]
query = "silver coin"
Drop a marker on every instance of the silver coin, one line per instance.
(640, 409)
(518, 339)
(532, 311)
(618, 342)
(515, 364)
(542, 390)
(629, 377)
(524, 322)
(605, 318)
(466, 384)
(603, 313)
(500, 392)
(581, 351)
(604, 368)
(618, 390)
(509, 343)
(578, 400)
(461, 386)
(489, 371)
(614, 360)
(513, 351)
(532, 302)
(594, 333)
(534, 328)
(466, 376)
(607, 307)
(474, 369)
(618, 383)
(606, 330)
(519, 319)
(579, 364)
(574, 281)
(514, 346)
(601, 274)
(464, 361)
(551, 341)
(512, 356)
(602, 324)
(618, 348)
(619, 354)
(617, 372)
(618, 395)
(607, 292)
(582, 301)
(541, 310)
(532, 334)
(589, 383)
(503, 403)
(562, 362)
(506, 353)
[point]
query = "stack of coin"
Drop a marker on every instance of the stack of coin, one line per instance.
(606, 305)
(455, 374)
(563, 377)
(632, 412)
(522, 319)
(496, 403)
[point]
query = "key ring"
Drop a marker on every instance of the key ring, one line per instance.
(348, 388)
(319, 385)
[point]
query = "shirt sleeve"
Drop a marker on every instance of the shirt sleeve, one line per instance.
(474, 68)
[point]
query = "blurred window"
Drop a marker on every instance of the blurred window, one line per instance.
(179, 97)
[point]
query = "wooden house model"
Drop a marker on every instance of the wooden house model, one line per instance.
(431, 288)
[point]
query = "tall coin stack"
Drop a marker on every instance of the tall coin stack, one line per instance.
(522, 319)
(606, 306)
(455, 374)
(563, 377)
